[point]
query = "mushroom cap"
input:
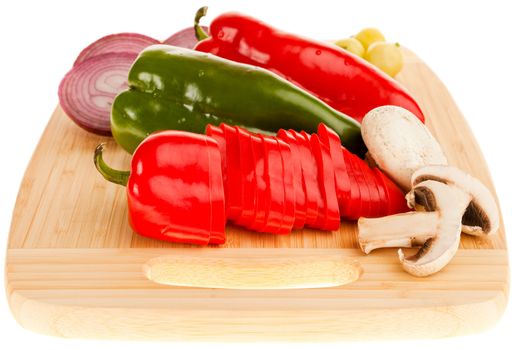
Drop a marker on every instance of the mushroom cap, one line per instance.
(481, 217)
(449, 203)
(399, 143)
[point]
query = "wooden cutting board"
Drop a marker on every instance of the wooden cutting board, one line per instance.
(75, 269)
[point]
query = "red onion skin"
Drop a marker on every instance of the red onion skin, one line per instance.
(81, 108)
(121, 42)
(184, 38)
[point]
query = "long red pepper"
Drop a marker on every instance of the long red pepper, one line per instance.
(343, 80)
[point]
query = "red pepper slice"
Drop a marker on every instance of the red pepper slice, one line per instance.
(354, 202)
(261, 204)
(332, 140)
(309, 172)
(218, 135)
(289, 189)
(331, 217)
(364, 190)
(233, 190)
(218, 214)
(300, 195)
(381, 193)
(246, 162)
(386, 210)
(373, 206)
(274, 178)
(383, 196)
(397, 203)
(168, 189)
(315, 168)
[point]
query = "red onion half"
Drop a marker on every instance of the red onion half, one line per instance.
(184, 38)
(88, 90)
(122, 42)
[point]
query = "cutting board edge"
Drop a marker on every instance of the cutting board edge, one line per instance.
(42, 311)
(53, 319)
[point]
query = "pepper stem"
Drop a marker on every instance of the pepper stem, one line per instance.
(200, 33)
(115, 176)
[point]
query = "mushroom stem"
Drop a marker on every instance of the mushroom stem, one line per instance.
(404, 230)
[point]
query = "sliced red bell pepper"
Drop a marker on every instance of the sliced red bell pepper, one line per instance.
(217, 205)
(289, 189)
(331, 217)
(330, 138)
(246, 162)
(300, 196)
(233, 174)
(309, 176)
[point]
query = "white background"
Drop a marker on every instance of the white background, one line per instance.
(467, 43)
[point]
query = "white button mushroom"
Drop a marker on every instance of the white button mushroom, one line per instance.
(447, 197)
(399, 143)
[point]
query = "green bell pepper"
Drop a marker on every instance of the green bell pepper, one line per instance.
(177, 88)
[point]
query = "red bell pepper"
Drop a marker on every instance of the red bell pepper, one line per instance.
(341, 79)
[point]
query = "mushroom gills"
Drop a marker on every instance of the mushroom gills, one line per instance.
(481, 217)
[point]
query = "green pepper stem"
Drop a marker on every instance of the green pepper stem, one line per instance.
(115, 176)
(200, 33)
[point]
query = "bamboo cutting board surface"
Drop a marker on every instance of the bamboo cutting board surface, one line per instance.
(75, 269)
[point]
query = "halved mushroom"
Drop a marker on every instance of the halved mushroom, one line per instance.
(399, 144)
(481, 217)
(437, 229)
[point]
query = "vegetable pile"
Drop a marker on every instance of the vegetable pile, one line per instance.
(244, 123)
(179, 182)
